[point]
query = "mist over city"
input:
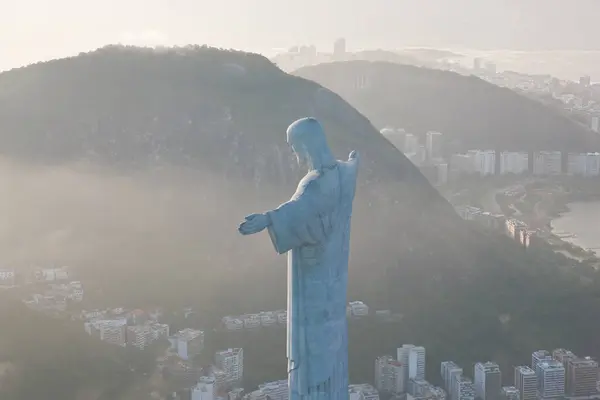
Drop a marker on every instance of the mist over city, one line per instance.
(299, 201)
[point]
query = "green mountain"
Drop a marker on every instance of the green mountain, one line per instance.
(135, 167)
(472, 113)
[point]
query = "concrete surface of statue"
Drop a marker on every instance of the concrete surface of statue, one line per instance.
(313, 227)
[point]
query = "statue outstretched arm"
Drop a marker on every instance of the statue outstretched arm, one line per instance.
(254, 223)
(284, 222)
(297, 222)
(302, 221)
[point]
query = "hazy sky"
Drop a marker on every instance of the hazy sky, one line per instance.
(32, 30)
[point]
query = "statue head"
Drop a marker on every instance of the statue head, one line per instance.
(308, 142)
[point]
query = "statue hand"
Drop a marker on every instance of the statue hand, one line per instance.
(253, 224)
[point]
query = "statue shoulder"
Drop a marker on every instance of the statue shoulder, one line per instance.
(310, 178)
(351, 166)
(309, 182)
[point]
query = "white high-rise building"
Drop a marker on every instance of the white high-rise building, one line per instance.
(402, 354)
(551, 379)
(416, 363)
(455, 379)
(231, 361)
(539, 356)
(414, 357)
(582, 377)
(488, 381)
(512, 162)
(204, 390)
(484, 161)
(526, 383)
(547, 163)
(464, 387)
(583, 164)
(450, 371)
(577, 164)
(592, 167)
(389, 375)
(564, 356)
(434, 145)
(411, 144)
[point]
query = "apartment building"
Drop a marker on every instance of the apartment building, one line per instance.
(582, 377)
(526, 383)
(488, 381)
(389, 375)
(231, 361)
(188, 343)
(551, 379)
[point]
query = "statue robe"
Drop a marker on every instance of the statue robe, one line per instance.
(314, 226)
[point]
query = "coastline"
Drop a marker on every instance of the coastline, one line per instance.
(569, 240)
(551, 202)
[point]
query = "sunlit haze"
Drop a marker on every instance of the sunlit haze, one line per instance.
(299, 199)
(33, 30)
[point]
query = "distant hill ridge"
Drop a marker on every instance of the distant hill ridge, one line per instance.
(472, 113)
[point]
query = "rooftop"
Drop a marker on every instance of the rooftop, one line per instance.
(525, 370)
(539, 353)
(229, 352)
(488, 366)
(364, 388)
(551, 365)
(450, 364)
(356, 303)
(189, 334)
(206, 380)
(584, 362)
(109, 323)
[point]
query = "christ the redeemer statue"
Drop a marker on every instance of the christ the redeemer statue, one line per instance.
(313, 227)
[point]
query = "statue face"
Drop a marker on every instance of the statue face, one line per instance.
(300, 153)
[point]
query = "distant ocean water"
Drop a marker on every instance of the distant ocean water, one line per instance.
(583, 221)
(564, 64)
